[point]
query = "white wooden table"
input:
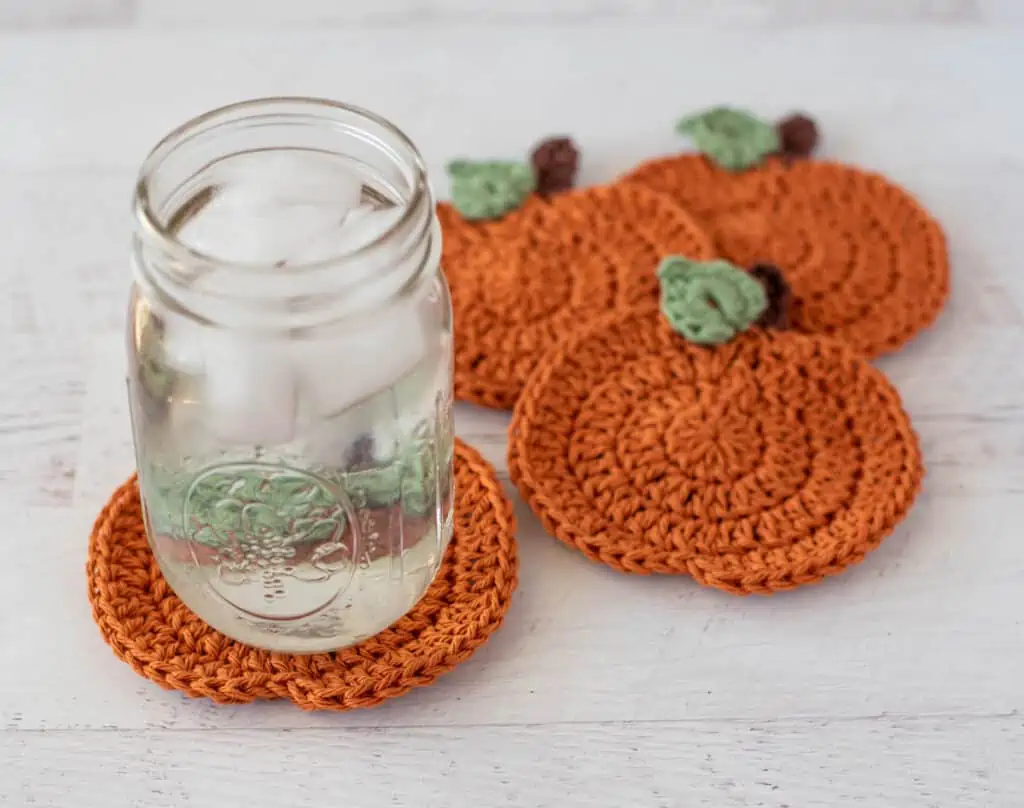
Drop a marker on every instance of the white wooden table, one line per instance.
(898, 684)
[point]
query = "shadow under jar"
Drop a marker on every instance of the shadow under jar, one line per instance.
(290, 372)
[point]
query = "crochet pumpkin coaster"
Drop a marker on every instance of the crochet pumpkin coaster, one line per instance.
(521, 282)
(758, 465)
(150, 629)
(865, 262)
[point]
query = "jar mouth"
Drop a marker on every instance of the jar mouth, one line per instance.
(155, 228)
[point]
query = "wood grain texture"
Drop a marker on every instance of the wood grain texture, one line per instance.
(885, 761)
(61, 14)
(896, 684)
(1001, 12)
(197, 13)
(742, 12)
(36, 14)
(913, 106)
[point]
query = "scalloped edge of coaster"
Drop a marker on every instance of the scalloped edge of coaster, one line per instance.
(364, 675)
(777, 178)
(627, 552)
(654, 227)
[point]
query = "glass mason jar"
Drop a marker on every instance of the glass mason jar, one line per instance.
(290, 372)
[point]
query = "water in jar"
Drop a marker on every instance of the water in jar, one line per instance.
(297, 486)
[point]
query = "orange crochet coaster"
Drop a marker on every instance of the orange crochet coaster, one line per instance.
(865, 261)
(759, 465)
(150, 629)
(521, 283)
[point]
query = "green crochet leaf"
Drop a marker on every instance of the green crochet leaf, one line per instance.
(489, 190)
(734, 139)
(709, 302)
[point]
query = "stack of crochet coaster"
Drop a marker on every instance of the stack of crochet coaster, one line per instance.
(736, 434)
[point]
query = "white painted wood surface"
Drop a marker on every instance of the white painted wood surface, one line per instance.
(898, 684)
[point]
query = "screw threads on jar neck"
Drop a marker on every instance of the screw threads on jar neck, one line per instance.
(283, 214)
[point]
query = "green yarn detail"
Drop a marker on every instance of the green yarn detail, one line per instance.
(410, 480)
(218, 506)
(265, 501)
(709, 302)
(489, 190)
(734, 139)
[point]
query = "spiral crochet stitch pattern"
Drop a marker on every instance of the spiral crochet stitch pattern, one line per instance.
(148, 627)
(759, 465)
(865, 261)
(520, 284)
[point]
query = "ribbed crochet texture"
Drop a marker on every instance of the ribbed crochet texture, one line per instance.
(768, 462)
(865, 261)
(150, 629)
(521, 283)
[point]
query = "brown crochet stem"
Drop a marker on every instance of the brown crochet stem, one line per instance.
(798, 136)
(780, 298)
(555, 162)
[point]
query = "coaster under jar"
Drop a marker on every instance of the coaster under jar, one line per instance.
(148, 627)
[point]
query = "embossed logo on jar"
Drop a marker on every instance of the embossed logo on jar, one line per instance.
(277, 542)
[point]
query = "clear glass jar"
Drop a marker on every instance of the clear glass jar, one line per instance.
(290, 372)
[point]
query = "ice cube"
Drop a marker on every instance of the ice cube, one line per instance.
(250, 389)
(267, 210)
(293, 177)
(183, 346)
(381, 339)
(368, 222)
(297, 208)
(357, 229)
(354, 360)
(361, 279)
(234, 227)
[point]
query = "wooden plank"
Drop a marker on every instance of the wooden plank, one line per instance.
(909, 762)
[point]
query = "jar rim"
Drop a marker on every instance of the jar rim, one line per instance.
(173, 247)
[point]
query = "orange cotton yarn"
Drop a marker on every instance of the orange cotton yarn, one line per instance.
(865, 261)
(758, 465)
(150, 629)
(521, 283)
